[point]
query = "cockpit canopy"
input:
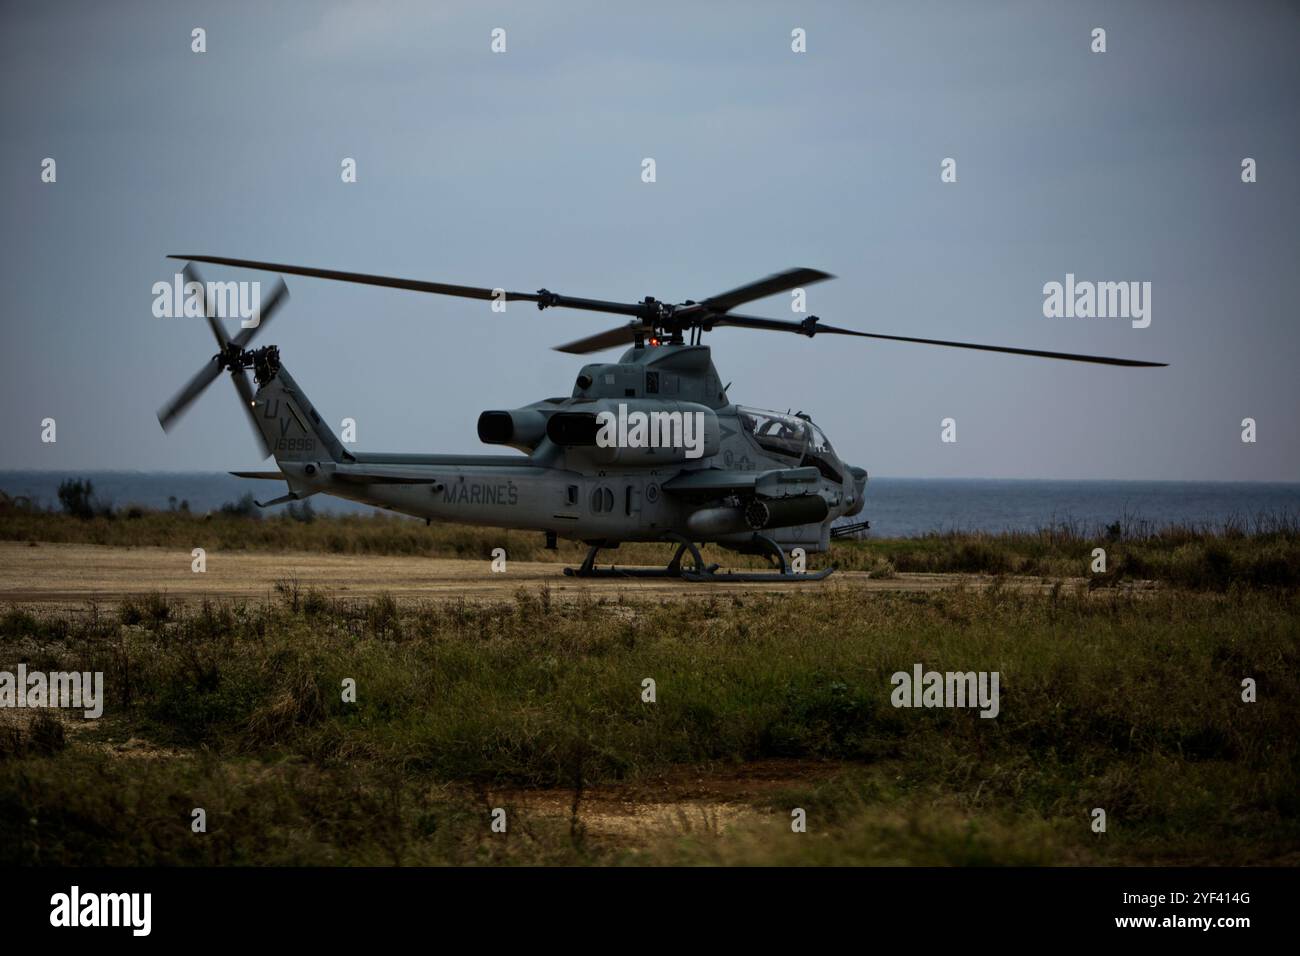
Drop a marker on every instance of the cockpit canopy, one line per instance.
(793, 437)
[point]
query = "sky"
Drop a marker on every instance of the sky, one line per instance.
(523, 170)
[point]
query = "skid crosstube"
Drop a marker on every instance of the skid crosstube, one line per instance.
(702, 573)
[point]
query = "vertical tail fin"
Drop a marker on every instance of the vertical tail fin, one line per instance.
(291, 425)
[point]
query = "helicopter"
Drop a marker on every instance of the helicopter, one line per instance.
(749, 480)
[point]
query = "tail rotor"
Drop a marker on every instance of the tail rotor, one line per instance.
(229, 357)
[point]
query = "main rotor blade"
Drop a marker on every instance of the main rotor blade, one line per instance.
(780, 282)
(622, 335)
(192, 389)
(245, 390)
(413, 285)
(544, 298)
(802, 328)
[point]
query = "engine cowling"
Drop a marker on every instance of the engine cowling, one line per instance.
(520, 428)
(638, 431)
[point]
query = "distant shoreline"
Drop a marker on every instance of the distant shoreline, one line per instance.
(896, 507)
(79, 472)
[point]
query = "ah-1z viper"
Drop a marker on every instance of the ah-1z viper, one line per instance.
(756, 482)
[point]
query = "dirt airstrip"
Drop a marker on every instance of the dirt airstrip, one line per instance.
(73, 575)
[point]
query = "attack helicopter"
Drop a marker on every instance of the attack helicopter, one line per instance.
(648, 448)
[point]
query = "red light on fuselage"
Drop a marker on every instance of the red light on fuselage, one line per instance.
(654, 343)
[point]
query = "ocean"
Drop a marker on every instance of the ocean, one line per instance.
(896, 507)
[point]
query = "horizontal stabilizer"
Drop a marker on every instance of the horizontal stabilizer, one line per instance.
(291, 496)
(263, 475)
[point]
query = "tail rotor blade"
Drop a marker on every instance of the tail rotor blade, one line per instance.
(278, 296)
(218, 332)
(240, 377)
(182, 400)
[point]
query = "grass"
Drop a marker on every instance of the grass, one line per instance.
(1260, 553)
(1126, 701)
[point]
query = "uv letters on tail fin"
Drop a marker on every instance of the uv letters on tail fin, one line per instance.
(291, 426)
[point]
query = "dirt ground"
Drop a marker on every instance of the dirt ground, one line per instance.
(73, 575)
(683, 801)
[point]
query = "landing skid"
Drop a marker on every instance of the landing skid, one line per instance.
(700, 572)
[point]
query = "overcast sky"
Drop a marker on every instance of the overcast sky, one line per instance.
(523, 170)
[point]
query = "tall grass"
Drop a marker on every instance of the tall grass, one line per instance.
(1262, 552)
(1127, 702)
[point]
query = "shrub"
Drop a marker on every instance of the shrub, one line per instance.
(77, 496)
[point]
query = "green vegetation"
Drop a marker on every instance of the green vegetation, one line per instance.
(77, 497)
(1264, 553)
(239, 526)
(1129, 701)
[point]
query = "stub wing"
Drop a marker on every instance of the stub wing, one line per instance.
(777, 483)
